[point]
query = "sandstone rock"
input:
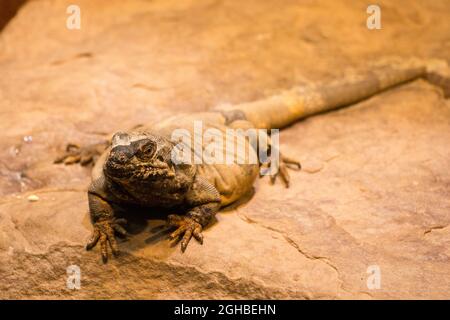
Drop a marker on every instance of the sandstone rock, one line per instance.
(380, 197)
(312, 165)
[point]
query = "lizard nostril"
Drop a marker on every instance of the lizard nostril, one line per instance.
(119, 156)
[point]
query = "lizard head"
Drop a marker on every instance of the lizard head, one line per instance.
(139, 157)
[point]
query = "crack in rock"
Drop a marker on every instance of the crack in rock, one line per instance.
(292, 243)
(429, 230)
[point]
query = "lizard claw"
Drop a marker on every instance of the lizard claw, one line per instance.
(186, 229)
(104, 232)
(83, 155)
(280, 169)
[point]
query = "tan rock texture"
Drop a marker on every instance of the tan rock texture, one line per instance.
(374, 192)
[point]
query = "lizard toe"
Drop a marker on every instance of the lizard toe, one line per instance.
(186, 229)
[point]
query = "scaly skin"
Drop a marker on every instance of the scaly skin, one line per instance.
(137, 168)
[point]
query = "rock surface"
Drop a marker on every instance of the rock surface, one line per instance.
(376, 187)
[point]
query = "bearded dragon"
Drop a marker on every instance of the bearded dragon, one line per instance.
(137, 167)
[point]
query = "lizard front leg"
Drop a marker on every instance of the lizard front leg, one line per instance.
(192, 224)
(204, 200)
(104, 221)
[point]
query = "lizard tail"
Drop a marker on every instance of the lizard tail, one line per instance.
(281, 110)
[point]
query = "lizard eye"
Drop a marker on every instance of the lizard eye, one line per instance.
(146, 151)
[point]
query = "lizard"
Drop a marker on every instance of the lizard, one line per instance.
(137, 168)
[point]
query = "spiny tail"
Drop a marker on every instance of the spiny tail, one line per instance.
(281, 110)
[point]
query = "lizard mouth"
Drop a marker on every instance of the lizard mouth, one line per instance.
(117, 170)
(137, 173)
(152, 172)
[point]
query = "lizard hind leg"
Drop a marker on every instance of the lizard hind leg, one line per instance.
(280, 168)
(84, 155)
(273, 163)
